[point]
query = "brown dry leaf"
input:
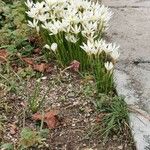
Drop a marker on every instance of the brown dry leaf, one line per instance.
(75, 65)
(29, 61)
(40, 67)
(50, 118)
(13, 129)
(100, 117)
(3, 55)
(37, 50)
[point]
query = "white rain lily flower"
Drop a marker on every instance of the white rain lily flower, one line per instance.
(89, 27)
(54, 47)
(37, 10)
(55, 26)
(109, 48)
(89, 47)
(115, 54)
(32, 13)
(109, 66)
(67, 18)
(52, 27)
(89, 30)
(34, 24)
(71, 38)
(47, 46)
(99, 45)
(76, 29)
(29, 4)
(43, 17)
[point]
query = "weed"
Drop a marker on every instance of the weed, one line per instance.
(12, 22)
(34, 100)
(7, 146)
(29, 138)
(116, 115)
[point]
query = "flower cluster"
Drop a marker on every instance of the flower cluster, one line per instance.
(73, 30)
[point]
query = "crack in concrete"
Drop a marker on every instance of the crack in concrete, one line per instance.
(125, 6)
(136, 62)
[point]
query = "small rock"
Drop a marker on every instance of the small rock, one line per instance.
(73, 125)
(75, 103)
(44, 78)
(120, 147)
(71, 94)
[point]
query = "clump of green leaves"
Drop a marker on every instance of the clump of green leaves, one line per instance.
(35, 102)
(7, 146)
(12, 22)
(29, 138)
(116, 114)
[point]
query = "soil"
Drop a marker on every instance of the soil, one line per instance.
(72, 97)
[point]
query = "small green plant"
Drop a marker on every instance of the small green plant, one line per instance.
(29, 138)
(7, 146)
(35, 102)
(12, 22)
(116, 116)
(8, 78)
(27, 72)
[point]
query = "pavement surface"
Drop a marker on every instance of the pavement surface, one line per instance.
(130, 27)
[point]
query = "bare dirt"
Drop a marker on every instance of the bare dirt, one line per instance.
(73, 98)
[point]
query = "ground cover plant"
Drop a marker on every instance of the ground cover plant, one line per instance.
(56, 85)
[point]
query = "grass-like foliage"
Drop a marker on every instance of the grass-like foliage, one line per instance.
(116, 114)
(73, 30)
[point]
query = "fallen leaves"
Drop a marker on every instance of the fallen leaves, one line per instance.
(50, 118)
(13, 129)
(29, 61)
(3, 55)
(75, 65)
(42, 67)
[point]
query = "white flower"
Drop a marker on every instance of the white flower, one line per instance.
(89, 27)
(115, 54)
(109, 66)
(47, 46)
(55, 26)
(89, 48)
(37, 10)
(29, 3)
(67, 18)
(71, 38)
(43, 17)
(76, 29)
(89, 30)
(34, 24)
(54, 47)
(109, 48)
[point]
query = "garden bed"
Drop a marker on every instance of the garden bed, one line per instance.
(47, 105)
(72, 97)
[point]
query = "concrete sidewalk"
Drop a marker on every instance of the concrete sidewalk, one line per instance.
(130, 27)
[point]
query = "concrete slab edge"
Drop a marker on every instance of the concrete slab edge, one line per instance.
(139, 122)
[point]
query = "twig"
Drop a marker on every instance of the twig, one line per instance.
(139, 111)
(42, 121)
(24, 117)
